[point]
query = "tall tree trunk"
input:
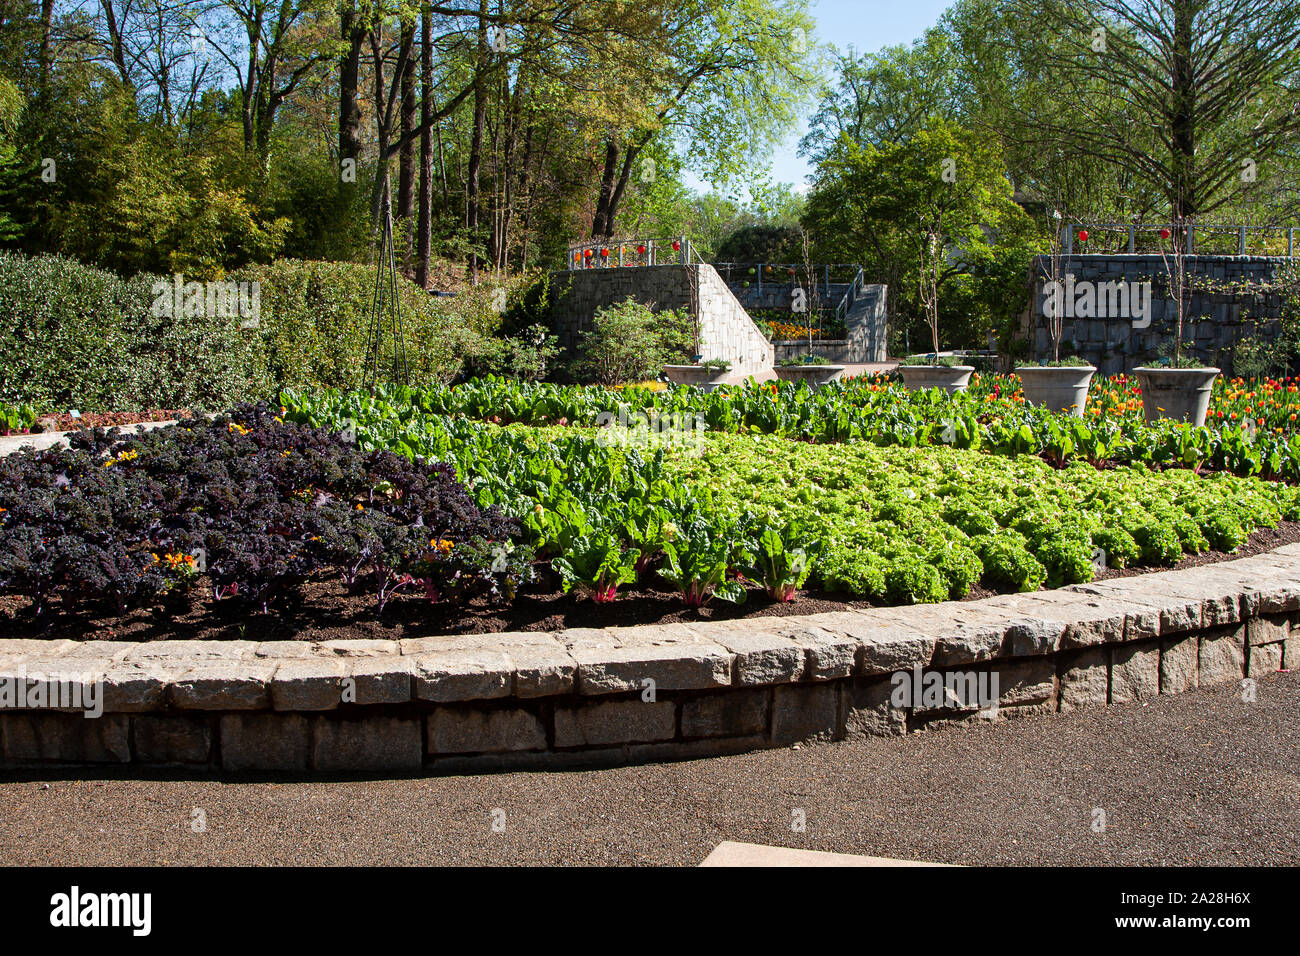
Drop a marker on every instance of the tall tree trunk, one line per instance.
(611, 213)
(47, 42)
(424, 223)
(1183, 125)
(353, 33)
(476, 146)
(115, 39)
(406, 155)
(600, 224)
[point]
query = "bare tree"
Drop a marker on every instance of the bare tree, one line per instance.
(1191, 97)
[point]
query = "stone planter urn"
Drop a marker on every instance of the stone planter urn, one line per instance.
(697, 375)
(814, 376)
(918, 378)
(1182, 394)
(1060, 388)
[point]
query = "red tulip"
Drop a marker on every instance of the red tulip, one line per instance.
(586, 254)
(641, 249)
(676, 245)
(1083, 235)
(1164, 233)
(604, 253)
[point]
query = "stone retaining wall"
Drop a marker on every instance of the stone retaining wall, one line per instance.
(724, 328)
(1213, 321)
(603, 696)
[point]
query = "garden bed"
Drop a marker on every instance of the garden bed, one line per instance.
(324, 610)
(255, 526)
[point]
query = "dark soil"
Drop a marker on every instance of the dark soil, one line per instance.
(324, 610)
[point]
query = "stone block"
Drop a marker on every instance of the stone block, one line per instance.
(646, 655)
(379, 680)
(1268, 629)
(805, 711)
(220, 684)
(138, 686)
(1134, 672)
(370, 743)
(1222, 656)
(1264, 659)
(314, 683)
(454, 675)
(614, 722)
(1178, 664)
(731, 713)
(829, 654)
(457, 731)
(66, 737)
(761, 656)
(1027, 683)
(869, 710)
(166, 739)
(265, 741)
(1084, 678)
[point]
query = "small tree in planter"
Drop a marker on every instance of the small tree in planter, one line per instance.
(939, 199)
(1059, 384)
(1182, 389)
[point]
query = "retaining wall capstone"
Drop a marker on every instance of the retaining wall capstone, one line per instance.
(599, 696)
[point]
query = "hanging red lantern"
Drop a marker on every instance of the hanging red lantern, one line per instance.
(1083, 235)
(1164, 233)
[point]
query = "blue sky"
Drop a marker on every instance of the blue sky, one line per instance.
(866, 25)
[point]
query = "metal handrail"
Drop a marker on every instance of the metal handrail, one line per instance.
(1069, 233)
(617, 253)
(850, 297)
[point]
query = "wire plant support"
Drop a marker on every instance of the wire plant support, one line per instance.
(386, 287)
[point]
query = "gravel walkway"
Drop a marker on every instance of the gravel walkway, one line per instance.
(1195, 778)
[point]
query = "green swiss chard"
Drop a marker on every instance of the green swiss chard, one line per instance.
(597, 565)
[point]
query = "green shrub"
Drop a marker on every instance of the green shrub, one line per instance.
(909, 581)
(630, 342)
(529, 357)
(852, 571)
(1067, 560)
(959, 567)
(316, 315)
(1223, 531)
(74, 336)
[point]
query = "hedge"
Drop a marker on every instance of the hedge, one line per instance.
(74, 336)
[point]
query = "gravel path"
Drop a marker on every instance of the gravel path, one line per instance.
(1201, 777)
